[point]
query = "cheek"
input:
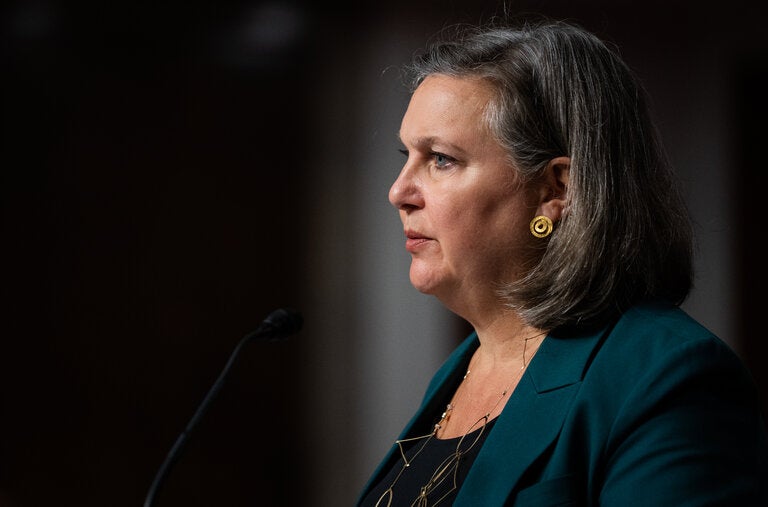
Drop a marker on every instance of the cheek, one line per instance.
(498, 224)
(484, 214)
(461, 223)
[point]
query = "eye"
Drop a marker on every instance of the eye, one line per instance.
(442, 160)
(404, 152)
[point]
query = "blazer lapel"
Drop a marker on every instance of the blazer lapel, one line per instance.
(531, 420)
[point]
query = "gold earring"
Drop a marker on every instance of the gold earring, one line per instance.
(541, 226)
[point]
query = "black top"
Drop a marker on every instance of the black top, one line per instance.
(445, 462)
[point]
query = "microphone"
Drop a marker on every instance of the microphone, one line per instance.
(279, 325)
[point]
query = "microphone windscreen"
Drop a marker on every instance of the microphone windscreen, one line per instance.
(279, 324)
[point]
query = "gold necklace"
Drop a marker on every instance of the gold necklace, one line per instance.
(446, 415)
(449, 467)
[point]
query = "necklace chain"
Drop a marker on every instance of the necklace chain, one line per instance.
(449, 467)
(446, 415)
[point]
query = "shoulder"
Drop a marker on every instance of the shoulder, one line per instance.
(656, 357)
(662, 392)
(661, 321)
(652, 334)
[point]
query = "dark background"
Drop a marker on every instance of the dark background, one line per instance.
(155, 160)
(152, 215)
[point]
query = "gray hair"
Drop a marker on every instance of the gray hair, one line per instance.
(625, 234)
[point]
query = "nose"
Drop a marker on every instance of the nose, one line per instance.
(405, 193)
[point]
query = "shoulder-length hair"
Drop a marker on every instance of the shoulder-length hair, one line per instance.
(625, 234)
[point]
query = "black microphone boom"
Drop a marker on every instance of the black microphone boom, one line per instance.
(278, 325)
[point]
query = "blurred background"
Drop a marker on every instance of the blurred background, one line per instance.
(174, 171)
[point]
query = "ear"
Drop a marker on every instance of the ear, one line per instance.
(555, 187)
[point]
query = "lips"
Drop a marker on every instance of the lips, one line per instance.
(414, 241)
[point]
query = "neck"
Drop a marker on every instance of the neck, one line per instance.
(505, 340)
(493, 373)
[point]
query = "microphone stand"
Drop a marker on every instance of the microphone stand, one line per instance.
(278, 325)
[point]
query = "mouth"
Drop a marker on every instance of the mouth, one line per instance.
(414, 241)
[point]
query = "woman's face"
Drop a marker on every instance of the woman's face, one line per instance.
(464, 211)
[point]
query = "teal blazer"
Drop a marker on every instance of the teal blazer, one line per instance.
(653, 410)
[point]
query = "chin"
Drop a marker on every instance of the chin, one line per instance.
(422, 285)
(423, 289)
(426, 279)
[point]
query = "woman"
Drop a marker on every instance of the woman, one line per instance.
(537, 204)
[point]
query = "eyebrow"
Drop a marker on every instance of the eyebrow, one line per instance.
(428, 141)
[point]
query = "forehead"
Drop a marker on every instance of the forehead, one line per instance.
(443, 104)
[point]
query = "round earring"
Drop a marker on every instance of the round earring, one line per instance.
(541, 226)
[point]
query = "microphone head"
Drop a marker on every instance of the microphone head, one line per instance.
(279, 324)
